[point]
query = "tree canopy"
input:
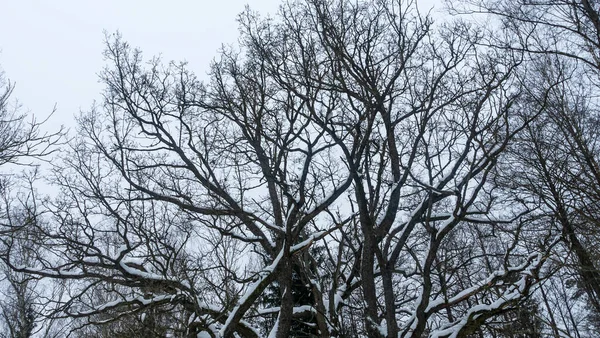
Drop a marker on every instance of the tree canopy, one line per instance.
(349, 169)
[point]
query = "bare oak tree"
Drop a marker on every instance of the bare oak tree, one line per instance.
(340, 157)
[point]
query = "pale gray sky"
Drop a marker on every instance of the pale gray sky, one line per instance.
(52, 49)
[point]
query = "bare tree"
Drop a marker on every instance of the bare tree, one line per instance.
(20, 305)
(343, 153)
(21, 142)
(559, 154)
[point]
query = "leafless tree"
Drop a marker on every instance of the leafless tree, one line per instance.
(22, 141)
(341, 154)
(20, 306)
(559, 153)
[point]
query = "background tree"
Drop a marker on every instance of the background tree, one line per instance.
(22, 141)
(559, 154)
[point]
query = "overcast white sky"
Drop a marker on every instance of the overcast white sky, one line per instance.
(52, 49)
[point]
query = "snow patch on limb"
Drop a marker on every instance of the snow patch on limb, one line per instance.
(307, 242)
(268, 311)
(92, 260)
(296, 310)
(252, 293)
(304, 309)
(207, 306)
(58, 272)
(141, 300)
(447, 222)
(139, 271)
(338, 297)
(382, 328)
(273, 332)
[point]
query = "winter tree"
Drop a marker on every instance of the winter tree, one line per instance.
(334, 177)
(558, 154)
(22, 141)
